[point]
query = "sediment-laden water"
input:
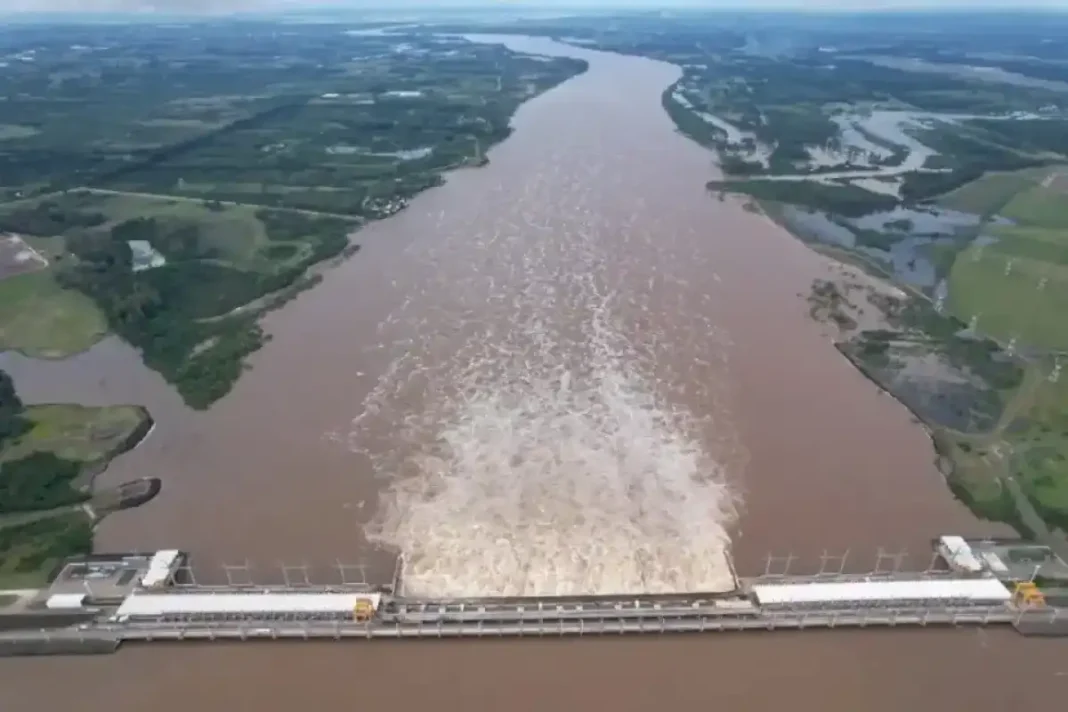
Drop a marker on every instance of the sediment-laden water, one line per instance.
(570, 370)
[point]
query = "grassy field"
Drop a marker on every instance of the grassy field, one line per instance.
(1018, 286)
(1011, 295)
(231, 233)
(42, 522)
(75, 432)
(1039, 451)
(194, 313)
(989, 194)
(1039, 206)
(41, 319)
(196, 191)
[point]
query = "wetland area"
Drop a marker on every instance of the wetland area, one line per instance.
(582, 349)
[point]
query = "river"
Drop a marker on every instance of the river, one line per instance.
(587, 243)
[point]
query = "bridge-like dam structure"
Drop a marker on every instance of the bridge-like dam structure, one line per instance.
(160, 608)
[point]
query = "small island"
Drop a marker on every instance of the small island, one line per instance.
(50, 456)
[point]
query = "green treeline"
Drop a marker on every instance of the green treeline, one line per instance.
(688, 122)
(48, 217)
(177, 313)
(37, 481)
(847, 200)
(27, 548)
(320, 122)
(12, 424)
(283, 108)
(1037, 136)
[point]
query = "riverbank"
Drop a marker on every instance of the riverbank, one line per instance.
(898, 340)
(974, 253)
(183, 249)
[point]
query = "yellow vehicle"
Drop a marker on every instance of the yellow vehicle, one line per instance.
(1027, 595)
(363, 611)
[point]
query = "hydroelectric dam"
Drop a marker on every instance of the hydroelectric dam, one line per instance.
(98, 603)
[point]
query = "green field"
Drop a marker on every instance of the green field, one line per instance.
(41, 319)
(1040, 451)
(194, 313)
(208, 172)
(989, 194)
(48, 454)
(1039, 206)
(1012, 305)
(75, 432)
(1018, 286)
(228, 233)
(48, 463)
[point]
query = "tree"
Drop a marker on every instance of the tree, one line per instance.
(12, 424)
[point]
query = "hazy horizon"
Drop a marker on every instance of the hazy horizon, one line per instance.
(231, 6)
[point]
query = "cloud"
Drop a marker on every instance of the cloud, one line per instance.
(147, 6)
(217, 6)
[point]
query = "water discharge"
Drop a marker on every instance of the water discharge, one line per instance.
(550, 481)
(527, 425)
(594, 182)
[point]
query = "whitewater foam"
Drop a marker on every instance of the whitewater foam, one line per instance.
(551, 469)
(528, 430)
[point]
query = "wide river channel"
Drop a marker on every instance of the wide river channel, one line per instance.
(584, 372)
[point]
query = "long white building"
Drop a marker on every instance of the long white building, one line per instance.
(232, 605)
(919, 592)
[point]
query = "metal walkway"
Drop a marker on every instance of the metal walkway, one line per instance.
(600, 626)
(765, 621)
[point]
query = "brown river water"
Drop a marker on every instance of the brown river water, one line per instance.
(571, 370)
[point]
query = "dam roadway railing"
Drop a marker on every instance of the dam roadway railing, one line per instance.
(1049, 621)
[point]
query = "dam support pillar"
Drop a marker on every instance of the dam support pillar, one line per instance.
(398, 573)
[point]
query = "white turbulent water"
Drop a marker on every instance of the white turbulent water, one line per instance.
(528, 451)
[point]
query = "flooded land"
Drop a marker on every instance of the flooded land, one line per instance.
(573, 369)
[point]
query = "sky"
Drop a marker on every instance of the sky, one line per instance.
(237, 5)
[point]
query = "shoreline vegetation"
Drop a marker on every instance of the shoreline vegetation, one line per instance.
(973, 389)
(50, 456)
(181, 211)
(940, 189)
(202, 187)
